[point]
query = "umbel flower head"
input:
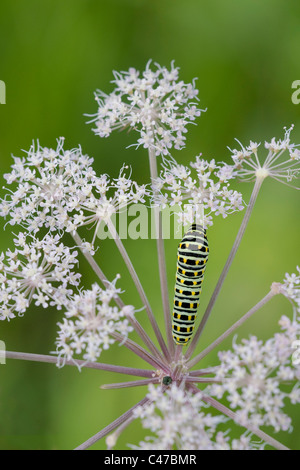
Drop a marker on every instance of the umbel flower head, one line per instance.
(58, 189)
(200, 191)
(173, 410)
(257, 378)
(89, 324)
(40, 271)
(154, 103)
(49, 185)
(282, 162)
(291, 288)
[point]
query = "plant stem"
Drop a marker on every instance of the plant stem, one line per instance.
(141, 352)
(133, 383)
(258, 183)
(111, 426)
(139, 287)
(221, 338)
(200, 372)
(145, 338)
(89, 365)
(223, 409)
(94, 265)
(96, 268)
(207, 380)
(161, 259)
(178, 352)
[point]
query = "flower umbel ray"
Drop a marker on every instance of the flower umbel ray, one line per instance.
(281, 163)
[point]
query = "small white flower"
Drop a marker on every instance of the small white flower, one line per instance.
(291, 287)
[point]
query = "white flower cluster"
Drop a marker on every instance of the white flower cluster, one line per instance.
(41, 271)
(199, 196)
(48, 182)
(89, 323)
(155, 104)
(179, 421)
(291, 287)
(58, 189)
(281, 163)
(257, 378)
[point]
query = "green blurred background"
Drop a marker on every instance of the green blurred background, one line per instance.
(54, 54)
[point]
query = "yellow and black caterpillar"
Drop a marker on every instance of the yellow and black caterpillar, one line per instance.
(191, 263)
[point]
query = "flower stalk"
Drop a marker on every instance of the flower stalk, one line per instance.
(261, 434)
(108, 429)
(79, 363)
(139, 287)
(161, 258)
(225, 270)
(230, 330)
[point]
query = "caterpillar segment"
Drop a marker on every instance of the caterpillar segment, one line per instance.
(192, 258)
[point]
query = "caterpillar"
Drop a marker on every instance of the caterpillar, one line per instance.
(192, 257)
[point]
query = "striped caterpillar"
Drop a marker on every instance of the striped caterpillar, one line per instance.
(191, 263)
